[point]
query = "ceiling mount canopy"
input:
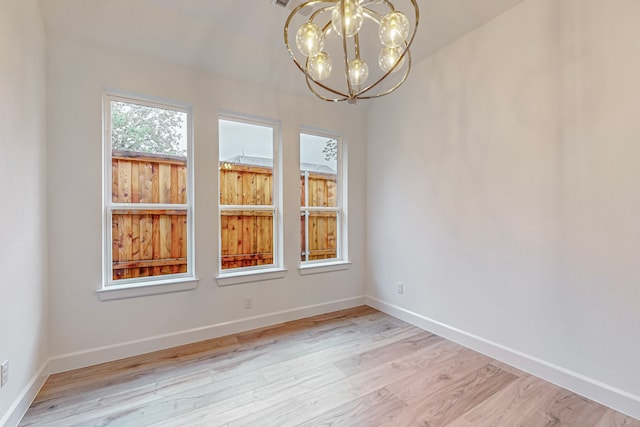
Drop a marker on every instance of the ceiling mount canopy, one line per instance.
(352, 49)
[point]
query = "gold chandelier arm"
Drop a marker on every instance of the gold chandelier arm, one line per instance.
(306, 73)
(315, 14)
(326, 29)
(344, 47)
(319, 95)
(373, 15)
(387, 2)
(396, 86)
(323, 86)
(406, 53)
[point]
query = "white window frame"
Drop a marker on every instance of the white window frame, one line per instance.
(341, 262)
(132, 287)
(276, 270)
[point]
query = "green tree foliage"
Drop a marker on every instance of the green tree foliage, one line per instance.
(330, 150)
(146, 129)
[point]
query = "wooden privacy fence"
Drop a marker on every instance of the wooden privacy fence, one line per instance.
(322, 227)
(246, 235)
(151, 242)
(148, 242)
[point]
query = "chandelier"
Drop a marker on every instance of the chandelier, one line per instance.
(352, 49)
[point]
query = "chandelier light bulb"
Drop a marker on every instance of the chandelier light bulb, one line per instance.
(388, 57)
(353, 18)
(319, 66)
(394, 29)
(358, 72)
(309, 39)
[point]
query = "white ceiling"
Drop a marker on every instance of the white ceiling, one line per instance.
(239, 38)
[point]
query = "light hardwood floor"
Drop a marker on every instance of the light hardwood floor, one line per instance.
(356, 367)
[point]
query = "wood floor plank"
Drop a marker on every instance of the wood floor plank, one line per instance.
(510, 406)
(438, 406)
(163, 406)
(613, 418)
(567, 409)
(78, 410)
(372, 409)
(356, 367)
(380, 355)
(460, 363)
(285, 368)
(259, 399)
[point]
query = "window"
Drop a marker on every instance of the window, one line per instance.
(249, 202)
(148, 197)
(322, 219)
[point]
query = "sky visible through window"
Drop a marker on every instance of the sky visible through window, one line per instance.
(243, 139)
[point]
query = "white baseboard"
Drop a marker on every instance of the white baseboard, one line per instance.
(94, 356)
(19, 408)
(598, 391)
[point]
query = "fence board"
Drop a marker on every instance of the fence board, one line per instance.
(248, 189)
(145, 175)
(174, 194)
(155, 183)
(164, 172)
(124, 182)
(182, 184)
(143, 242)
(146, 237)
(135, 239)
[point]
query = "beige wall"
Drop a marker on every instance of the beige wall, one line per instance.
(23, 229)
(503, 190)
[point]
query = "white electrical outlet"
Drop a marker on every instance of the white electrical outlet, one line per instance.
(399, 287)
(4, 374)
(248, 303)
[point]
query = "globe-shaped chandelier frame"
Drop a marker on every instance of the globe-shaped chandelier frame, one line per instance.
(354, 92)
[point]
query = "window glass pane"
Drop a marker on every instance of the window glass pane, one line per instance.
(246, 164)
(318, 167)
(148, 243)
(148, 148)
(246, 238)
(149, 154)
(321, 208)
(322, 234)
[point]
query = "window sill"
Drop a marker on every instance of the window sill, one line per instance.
(133, 290)
(323, 267)
(236, 278)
